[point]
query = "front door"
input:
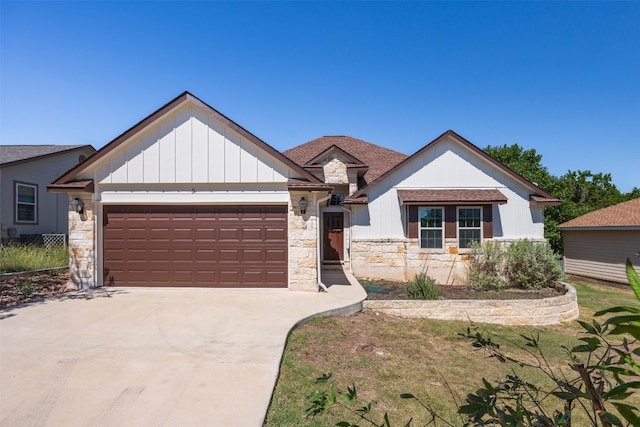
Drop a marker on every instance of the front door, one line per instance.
(333, 236)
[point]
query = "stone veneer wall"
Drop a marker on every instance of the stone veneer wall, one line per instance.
(546, 311)
(401, 259)
(335, 172)
(303, 247)
(82, 254)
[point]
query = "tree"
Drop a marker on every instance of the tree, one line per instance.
(527, 163)
(579, 191)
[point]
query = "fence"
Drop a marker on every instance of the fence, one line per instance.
(48, 240)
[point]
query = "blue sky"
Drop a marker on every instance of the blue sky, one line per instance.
(560, 77)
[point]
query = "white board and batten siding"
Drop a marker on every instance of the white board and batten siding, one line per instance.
(600, 254)
(449, 165)
(182, 157)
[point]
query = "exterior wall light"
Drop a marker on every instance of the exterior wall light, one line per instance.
(77, 205)
(303, 206)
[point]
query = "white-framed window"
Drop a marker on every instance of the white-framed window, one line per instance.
(469, 226)
(431, 227)
(26, 203)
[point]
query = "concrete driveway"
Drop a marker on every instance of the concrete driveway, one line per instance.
(152, 357)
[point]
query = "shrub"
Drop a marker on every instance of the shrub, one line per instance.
(532, 265)
(485, 267)
(423, 287)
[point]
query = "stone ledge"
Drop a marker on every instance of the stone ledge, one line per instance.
(546, 311)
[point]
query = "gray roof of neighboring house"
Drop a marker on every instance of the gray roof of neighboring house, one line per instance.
(19, 153)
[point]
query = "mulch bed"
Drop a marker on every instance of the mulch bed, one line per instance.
(30, 287)
(390, 290)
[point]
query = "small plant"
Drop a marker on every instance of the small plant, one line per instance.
(25, 287)
(423, 287)
(532, 265)
(485, 268)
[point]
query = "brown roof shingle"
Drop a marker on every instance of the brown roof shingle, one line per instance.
(625, 214)
(452, 196)
(379, 159)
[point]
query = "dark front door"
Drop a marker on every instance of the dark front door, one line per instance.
(333, 236)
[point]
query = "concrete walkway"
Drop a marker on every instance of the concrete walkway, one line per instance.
(154, 357)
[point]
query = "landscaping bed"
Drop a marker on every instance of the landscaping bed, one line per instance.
(30, 287)
(391, 290)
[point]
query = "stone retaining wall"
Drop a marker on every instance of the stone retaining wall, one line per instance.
(546, 311)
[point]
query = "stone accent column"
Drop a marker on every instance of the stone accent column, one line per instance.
(82, 253)
(303, 243)
(335, 172)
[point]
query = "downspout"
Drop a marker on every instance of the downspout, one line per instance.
(319, 245)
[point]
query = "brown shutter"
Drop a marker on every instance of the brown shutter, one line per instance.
(450, 229)
(412, 222)
(487, 221)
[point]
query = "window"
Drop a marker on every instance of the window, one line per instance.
(336, 199)
(469, 226)
(26, 197)
(431, 227)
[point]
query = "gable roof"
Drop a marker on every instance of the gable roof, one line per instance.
(625, 214)
(181, 99)
(379, 159)
(539, 196)
(13, 154)
(351, 161)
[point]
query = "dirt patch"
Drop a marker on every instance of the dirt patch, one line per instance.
(390, 290)
(30, 287)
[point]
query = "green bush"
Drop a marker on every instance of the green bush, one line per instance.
(532, 265)
(485, 267)
(423, 287)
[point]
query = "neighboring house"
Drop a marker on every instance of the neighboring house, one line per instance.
(25, 171)
(187, 197)
(597, 244)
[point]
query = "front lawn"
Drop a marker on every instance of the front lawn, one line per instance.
(385, 356)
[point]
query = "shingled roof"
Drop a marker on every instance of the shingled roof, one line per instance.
(625, 214)
(19, 153)
(379, 159)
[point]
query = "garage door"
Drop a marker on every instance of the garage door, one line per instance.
(204, 246)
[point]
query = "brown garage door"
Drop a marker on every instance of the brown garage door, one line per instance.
(204, 246)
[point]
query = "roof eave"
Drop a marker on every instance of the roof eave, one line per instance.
(85, 186)
(600, 228)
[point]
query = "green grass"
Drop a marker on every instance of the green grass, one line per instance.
(27, 258)
(385, 356)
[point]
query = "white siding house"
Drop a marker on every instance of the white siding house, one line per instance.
(188, 197)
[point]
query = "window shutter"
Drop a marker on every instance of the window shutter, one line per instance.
(487, 221)
(412, 222)
(450, 229)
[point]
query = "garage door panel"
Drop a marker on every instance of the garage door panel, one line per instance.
(211, 246)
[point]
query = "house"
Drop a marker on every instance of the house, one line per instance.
(597, 244)
(25, 171)
(187, 197)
